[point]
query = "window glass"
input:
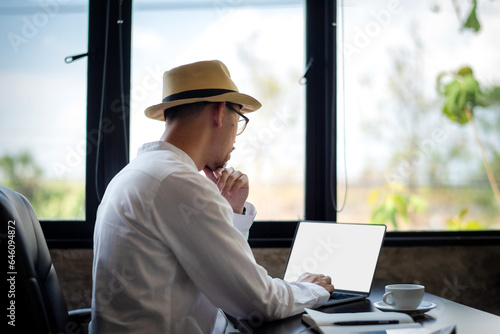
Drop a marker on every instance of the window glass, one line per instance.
(421, 106)
(262, 44)
(43, 104)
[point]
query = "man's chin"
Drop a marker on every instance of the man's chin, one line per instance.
(220, 164)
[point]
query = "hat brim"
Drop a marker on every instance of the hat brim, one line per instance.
(247, 102)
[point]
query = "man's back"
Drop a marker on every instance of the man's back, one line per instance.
(140, 281)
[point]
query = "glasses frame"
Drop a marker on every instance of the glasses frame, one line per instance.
(243, 118)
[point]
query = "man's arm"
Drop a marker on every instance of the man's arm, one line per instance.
(217, 257)
(234, 186)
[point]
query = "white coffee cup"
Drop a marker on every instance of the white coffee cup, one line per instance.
(404, 296)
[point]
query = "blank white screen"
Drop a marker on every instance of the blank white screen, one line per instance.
(348, 253)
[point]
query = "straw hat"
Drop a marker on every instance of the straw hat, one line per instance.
(201, 81)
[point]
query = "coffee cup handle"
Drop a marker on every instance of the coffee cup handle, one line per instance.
(385, 298)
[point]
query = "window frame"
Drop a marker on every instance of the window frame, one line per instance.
(321, 163)
(108, 116)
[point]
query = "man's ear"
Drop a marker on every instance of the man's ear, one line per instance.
(217, 113)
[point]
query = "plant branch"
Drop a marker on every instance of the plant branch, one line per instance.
(489, 172)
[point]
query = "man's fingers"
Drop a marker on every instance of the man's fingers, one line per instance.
(239, 181)
(230, 180)
(210, 174)
(224, 174)
(319, 279)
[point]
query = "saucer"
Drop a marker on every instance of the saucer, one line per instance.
(422, 308)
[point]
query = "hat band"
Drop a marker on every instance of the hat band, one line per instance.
(197, 93)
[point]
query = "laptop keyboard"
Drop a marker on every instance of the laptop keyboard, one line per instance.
(341, 295)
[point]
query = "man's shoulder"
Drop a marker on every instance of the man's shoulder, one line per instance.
(160, 164)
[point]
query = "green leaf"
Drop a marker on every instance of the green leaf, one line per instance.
(472, 22)
(393, 219)
(401, 206)
(462, 93)
(379, 216)
(454, 104)
(418, 204)
(462, 213)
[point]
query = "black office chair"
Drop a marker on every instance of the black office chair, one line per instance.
(35, 302)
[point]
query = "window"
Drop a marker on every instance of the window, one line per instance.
(408, 163)
(361, 131)
(43, 109)
(262, 43)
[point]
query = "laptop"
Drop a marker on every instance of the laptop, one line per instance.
(348, 253)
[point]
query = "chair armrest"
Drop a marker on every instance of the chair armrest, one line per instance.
(80, 315)
(80, 319)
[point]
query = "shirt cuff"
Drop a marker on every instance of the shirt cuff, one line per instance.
(220, 323)
(244, 222)
(313, 295)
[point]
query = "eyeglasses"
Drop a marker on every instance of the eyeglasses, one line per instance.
(242, 122)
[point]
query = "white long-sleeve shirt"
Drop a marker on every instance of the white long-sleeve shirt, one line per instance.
(167, 255)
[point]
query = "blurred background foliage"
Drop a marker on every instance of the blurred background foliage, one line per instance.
(398, 203)
(51, 199)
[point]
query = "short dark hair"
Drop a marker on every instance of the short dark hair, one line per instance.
(184, 110)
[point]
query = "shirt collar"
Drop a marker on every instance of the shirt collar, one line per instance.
(164, 146)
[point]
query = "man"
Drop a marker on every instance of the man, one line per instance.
(170, 246)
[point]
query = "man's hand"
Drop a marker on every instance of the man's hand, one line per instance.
(321, 280)
(233, 185)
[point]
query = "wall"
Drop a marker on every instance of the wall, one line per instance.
(469, 275)
(74, 269)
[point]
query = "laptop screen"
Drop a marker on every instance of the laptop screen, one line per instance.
(348, 253)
